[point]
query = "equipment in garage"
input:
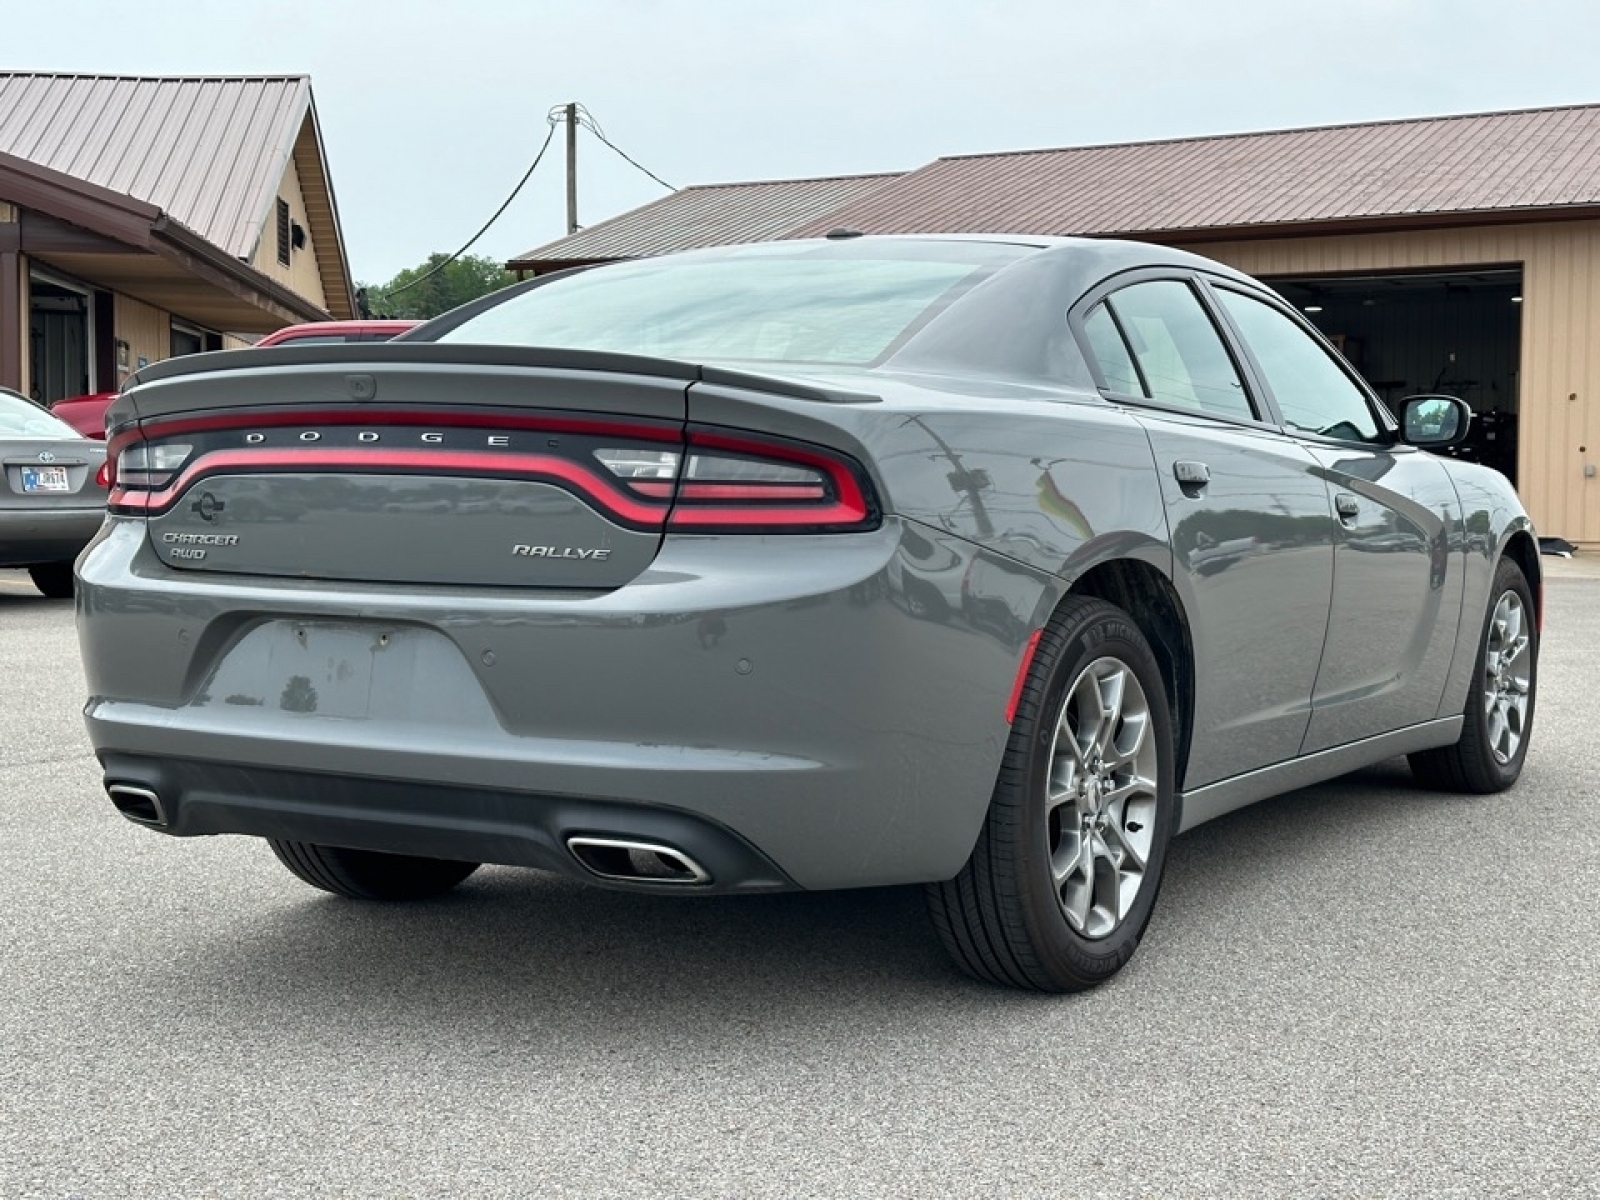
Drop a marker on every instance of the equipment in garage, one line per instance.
(1456, 333)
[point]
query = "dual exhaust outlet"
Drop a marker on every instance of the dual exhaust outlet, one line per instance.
(620, 860)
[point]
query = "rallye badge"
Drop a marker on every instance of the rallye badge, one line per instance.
(524, 551)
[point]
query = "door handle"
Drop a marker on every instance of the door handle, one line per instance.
(1347, 506)
(1191, 474)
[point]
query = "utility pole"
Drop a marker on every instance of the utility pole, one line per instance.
(572, 168)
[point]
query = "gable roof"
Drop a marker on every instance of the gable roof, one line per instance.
(1531, 163)
(208, 151)
(706, 215)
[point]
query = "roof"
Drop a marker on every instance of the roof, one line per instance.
(208, 151)
(707, 215)
(131, 246)
(1504, 164)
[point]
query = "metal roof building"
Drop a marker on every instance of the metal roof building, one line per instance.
(1413, 174)
(1455, 254)
(146, 216)
(708, 215)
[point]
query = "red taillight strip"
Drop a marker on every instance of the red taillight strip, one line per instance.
(541, 467)
(725, 516)
(767, 492)
(659, 489)
(1022, 675)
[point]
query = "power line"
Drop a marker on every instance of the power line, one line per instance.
(553, 118)
(472, 241)
(587, 120)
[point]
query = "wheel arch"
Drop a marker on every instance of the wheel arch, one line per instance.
(1522, 549)
(1148, 597)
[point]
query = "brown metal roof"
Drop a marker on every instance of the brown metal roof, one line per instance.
(131, 246)
(209, 152)
(1501, 164)
(708, 215)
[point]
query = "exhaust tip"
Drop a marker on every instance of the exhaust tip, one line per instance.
(137, 803)
(627, 861)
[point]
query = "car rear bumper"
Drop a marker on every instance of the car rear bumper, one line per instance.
(31, 537)
(189, 798)
(774, 691)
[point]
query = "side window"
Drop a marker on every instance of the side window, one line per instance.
(1313, 393)
(1178, 351)
(1111, 352)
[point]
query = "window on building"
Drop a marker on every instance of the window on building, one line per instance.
(191, 339)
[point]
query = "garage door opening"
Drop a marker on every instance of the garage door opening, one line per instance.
(1456, 333)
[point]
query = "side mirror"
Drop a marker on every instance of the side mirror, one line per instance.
(1434, 422)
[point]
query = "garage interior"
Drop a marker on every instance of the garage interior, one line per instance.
(1455, 333)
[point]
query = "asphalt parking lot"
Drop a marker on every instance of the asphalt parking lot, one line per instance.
(1360, 989)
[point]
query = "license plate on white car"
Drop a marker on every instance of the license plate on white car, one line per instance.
(45, 479)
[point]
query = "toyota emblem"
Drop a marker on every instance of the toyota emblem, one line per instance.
(46, 456)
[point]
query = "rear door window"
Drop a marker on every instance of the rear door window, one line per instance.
(1177, 356)
(1111, 352)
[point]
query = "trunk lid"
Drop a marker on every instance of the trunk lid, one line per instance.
(405, 463)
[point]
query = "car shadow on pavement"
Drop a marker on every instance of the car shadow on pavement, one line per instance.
(544, 957)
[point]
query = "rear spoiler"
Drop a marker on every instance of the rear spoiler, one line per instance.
(377, 354)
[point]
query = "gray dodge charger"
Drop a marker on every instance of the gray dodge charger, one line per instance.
(985, 563)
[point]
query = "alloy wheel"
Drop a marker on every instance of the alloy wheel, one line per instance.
(1101, 795)
(1507, 676)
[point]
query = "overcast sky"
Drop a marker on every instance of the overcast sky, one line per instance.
(432, 109)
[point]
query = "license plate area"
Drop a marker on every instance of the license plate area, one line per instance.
(395, 674)
(45, 479)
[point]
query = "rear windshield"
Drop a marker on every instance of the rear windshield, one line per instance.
(835, 303)
(20, 419)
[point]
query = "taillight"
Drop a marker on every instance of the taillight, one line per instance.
(642, 474)
(734, 483)
(106, 474)
(135, 468)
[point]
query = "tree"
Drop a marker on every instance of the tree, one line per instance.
(439, 290)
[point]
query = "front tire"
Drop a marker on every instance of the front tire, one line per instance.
(1499, 713)
(1064, 876)
(53, 579)
(369, 875)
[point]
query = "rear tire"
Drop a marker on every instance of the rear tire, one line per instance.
(369, 875)
(1064, 876)
(1499, 712)
(53, 579)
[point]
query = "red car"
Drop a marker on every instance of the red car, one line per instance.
(337, 331)
(87, 414)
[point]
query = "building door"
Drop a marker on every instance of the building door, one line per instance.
(58, 341)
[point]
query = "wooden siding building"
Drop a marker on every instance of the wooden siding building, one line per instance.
(1452, 254)
(141, 218)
